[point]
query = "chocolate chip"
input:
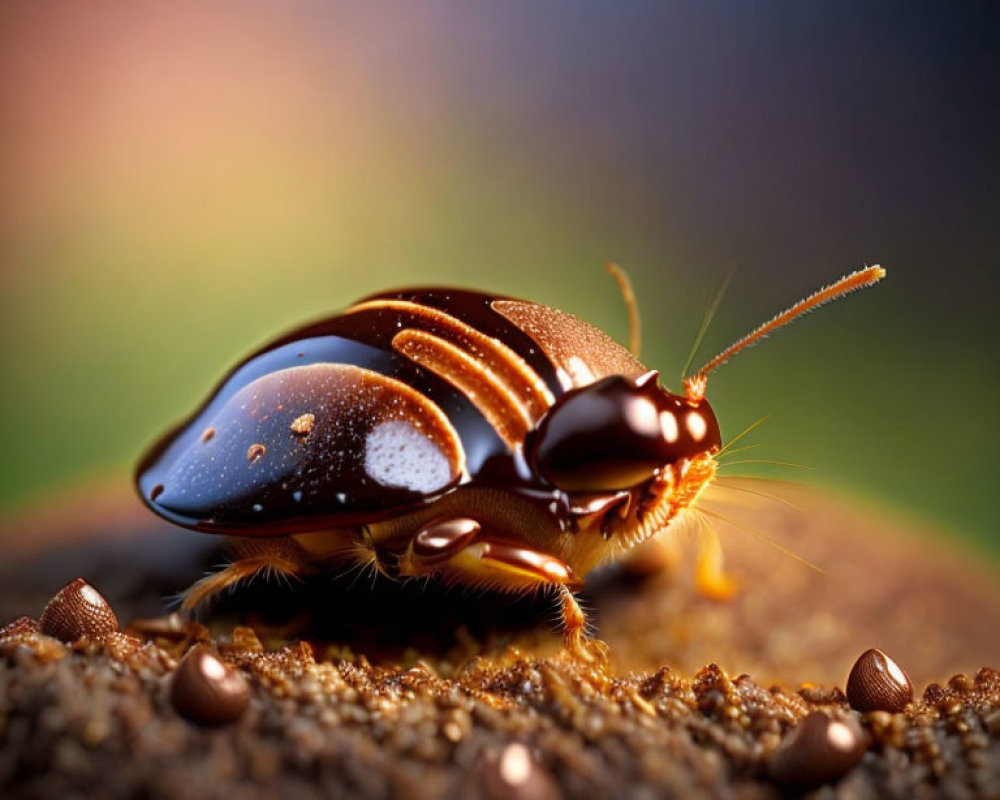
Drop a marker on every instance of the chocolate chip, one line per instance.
(877, 683)
(818, 750)
(206, 689)
(516, 775)
(78, 609)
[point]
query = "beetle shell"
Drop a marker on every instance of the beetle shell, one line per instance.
(377, 411)
(479, 440)
(373, 438)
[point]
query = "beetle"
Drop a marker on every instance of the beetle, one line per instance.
(474, 438)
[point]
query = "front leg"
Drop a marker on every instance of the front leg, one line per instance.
(575, 638)
(461, 550)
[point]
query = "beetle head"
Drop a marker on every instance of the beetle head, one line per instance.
(616, 433)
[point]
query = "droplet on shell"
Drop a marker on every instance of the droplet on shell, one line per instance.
(207, 690)
(877, 683)
(77, 610)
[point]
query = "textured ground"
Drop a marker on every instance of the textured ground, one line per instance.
(414, 692)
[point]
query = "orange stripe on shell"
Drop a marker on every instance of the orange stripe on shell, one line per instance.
(508, 392)
(487, 392)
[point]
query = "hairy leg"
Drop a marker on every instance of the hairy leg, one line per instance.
(575, 638)
(279, 555)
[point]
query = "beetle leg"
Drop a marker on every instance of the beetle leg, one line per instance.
(459, 550)
(442, 540)
(279, 555)
(575, 637)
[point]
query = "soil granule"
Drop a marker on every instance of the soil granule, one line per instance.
(415, 692)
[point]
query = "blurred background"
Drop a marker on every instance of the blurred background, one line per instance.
(181, 181)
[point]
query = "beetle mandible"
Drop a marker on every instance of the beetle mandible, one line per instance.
(479, 439)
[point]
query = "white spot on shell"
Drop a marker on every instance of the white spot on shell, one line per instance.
(398, 455)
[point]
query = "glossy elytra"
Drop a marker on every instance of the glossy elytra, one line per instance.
(478, 439)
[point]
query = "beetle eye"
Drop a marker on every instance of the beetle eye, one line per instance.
(615, 433)
(604, 436)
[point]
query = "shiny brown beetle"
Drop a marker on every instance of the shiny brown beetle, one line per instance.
(482, 440)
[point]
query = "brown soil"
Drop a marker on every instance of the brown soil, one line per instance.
(412, 691)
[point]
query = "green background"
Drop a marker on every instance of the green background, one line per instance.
(181, 182)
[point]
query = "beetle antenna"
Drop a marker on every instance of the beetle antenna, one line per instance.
(694, 385)
(634, 323)
(706, 321)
